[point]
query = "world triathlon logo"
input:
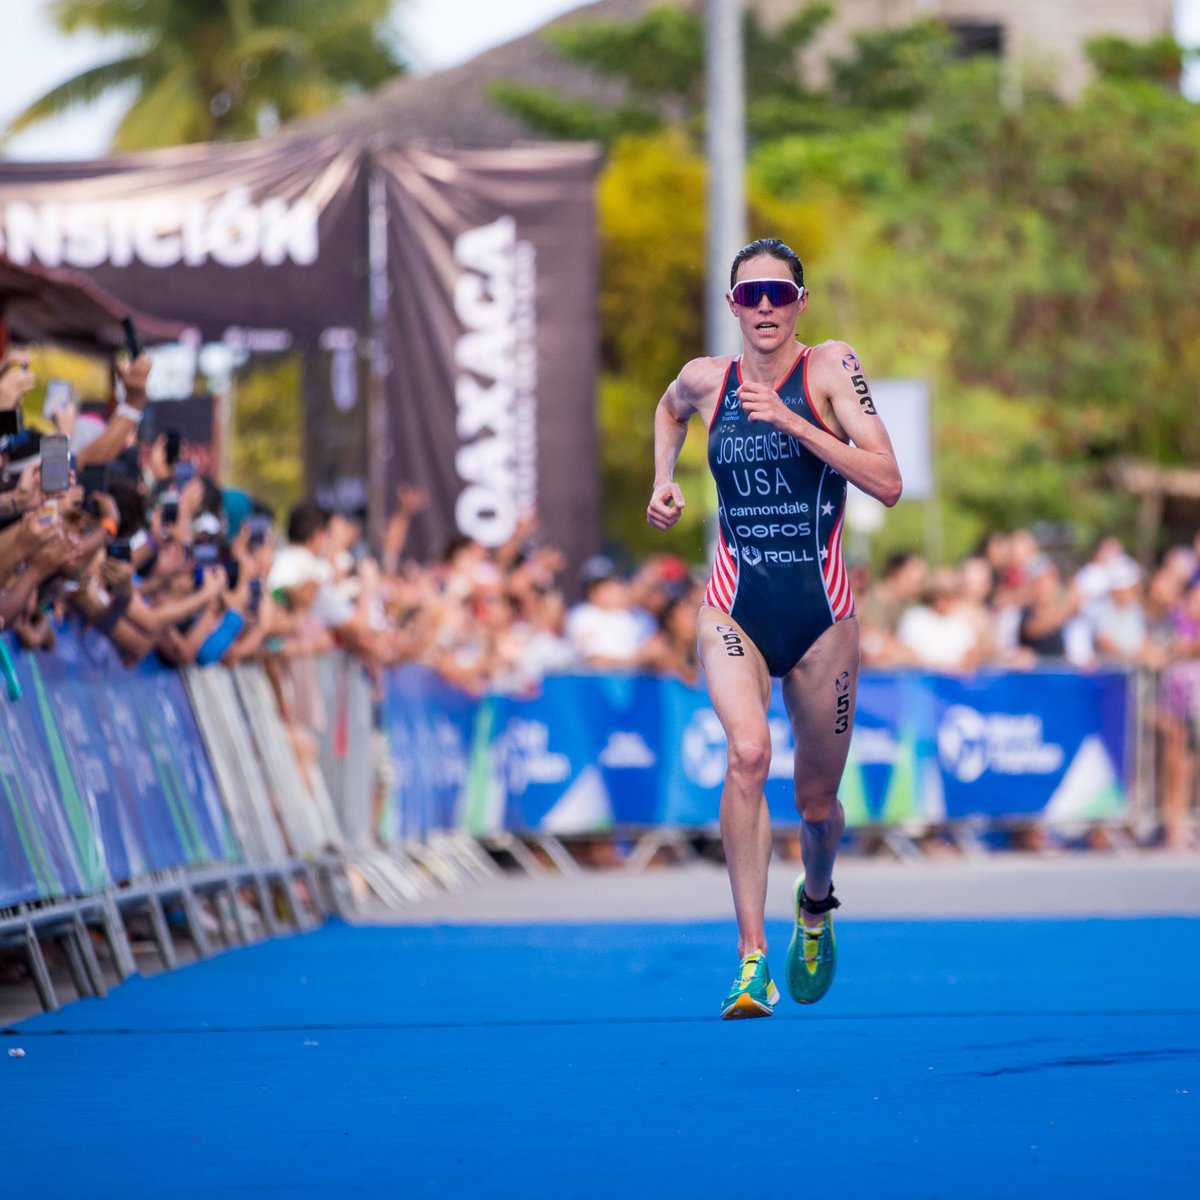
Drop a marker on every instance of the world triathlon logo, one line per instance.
(752, 555)
(963, 744)
(971, 743)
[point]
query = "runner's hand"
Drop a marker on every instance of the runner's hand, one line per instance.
(666, 505)
(762, 403)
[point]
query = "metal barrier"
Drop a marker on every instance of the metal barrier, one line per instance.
(126, 795)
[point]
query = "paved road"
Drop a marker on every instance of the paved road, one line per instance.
(994, 886)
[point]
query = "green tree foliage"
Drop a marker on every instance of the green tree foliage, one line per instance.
(1044, 260)
(658, 60)
(1038, 262)
(891, 68)
(215, 70)
(1158, 61)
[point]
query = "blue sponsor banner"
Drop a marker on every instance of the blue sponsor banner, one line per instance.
(21, 877)
(1050, 744)
(61, 690)
(48, 833)
(429, 727)
(109, 778)
(181, 763)
(583, 755)
(592, 752)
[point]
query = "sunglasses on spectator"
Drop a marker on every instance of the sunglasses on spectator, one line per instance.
(779, 292)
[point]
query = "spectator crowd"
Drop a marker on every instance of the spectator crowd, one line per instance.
(145, 549)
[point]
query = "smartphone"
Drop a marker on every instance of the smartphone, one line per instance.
(120, 550)
(184, 472)
(174, 442)
(259, 525)
(10, 422)
(206, 554)
(132, 342)
(56, 463)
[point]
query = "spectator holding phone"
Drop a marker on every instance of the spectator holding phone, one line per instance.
(126, 416)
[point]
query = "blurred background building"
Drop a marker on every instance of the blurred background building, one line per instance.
(1048, 35)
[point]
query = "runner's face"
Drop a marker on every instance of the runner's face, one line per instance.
(766, 328)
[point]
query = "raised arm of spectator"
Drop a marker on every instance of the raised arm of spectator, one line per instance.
(125, 418)
(26, 495)
(47, 556)
(525, 528)
(103, 600)
(409, 501)
(156, 619)
(20, 539)
(182, 647)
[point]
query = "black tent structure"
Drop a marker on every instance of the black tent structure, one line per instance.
(443, 298)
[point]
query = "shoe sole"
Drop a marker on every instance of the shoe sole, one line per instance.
(746, 1006)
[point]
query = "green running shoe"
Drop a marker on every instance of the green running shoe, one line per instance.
(753, 993)
(812, 956)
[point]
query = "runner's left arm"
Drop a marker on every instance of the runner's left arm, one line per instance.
(835, 375)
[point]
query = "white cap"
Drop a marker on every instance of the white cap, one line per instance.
(294, 566)
(207, 525)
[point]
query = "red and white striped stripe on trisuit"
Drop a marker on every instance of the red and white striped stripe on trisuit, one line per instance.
(723, 582)
(835, 575)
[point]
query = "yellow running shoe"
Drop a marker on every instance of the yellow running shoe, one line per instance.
(753, 993)
(812, 956)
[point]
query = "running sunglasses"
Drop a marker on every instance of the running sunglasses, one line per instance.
(779, 292)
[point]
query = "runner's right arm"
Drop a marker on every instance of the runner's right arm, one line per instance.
(682, 399)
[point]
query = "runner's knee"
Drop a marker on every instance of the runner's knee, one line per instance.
(816, 803)
(750, 760)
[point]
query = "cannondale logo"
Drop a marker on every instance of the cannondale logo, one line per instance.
(752, 555)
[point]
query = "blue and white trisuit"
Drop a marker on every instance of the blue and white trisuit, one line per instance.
(779, 571)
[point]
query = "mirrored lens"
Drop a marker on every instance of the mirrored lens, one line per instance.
(749, 293)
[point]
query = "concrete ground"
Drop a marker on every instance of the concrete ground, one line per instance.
(1003, 885)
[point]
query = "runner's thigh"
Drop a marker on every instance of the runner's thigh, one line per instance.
(738, 683)
(820, 693)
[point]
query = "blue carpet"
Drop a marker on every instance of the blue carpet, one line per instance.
(952, 1059)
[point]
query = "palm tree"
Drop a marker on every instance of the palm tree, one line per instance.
(222, 70)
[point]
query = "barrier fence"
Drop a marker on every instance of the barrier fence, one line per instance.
(185, 797)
